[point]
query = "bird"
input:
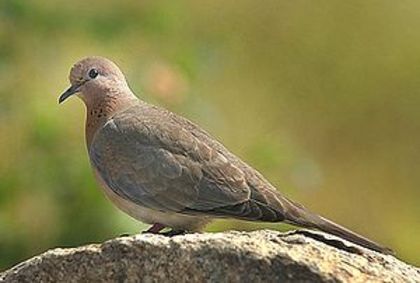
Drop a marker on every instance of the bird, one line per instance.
(162, 169)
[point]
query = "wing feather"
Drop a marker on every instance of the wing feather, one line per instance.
(146, 156)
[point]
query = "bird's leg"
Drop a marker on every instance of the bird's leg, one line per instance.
(154, 229)
(174, 232)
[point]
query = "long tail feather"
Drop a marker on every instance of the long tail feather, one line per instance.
(298, 215)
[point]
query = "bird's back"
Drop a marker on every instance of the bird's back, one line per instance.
(201, 176)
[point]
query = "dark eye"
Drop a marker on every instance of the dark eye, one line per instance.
(93, 73)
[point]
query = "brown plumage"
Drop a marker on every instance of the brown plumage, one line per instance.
(162, 169)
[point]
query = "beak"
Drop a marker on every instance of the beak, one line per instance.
(69, 92)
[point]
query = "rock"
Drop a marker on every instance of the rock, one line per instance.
(260, 256)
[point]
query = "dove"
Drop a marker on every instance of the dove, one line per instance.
(164, 170)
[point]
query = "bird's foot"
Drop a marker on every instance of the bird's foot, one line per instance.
(157, 227)
(173, 232)
(154, 229)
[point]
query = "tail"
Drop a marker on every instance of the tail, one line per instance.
(298, 215)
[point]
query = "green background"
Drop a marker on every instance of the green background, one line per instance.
(322, 97)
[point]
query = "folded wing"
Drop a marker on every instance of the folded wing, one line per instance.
(157, 163)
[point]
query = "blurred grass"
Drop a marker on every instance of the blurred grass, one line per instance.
(322, 97)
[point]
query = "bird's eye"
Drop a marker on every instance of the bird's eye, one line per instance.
(93, 73)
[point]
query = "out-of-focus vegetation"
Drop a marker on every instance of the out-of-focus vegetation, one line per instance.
(322, 97)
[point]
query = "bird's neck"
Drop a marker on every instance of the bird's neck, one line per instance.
(99, 111)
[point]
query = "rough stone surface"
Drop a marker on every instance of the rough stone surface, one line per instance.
(260, 256)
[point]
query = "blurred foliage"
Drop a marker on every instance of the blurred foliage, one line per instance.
(322, 97)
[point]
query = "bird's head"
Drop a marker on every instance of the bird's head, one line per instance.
(92, 77)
